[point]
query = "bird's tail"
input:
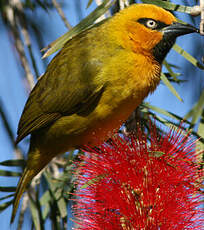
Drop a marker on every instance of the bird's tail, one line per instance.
(22, 185)
(36, 162)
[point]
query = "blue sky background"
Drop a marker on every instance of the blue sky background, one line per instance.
(14, 96)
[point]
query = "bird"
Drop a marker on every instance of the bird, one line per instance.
(94, 83)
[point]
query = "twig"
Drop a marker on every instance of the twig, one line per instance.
(61, 13)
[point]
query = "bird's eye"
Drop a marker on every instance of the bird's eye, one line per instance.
(151, 24)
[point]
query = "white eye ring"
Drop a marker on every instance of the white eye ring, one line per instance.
(151, 24)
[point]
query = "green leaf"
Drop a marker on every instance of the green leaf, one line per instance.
(45, 198)
(13, 163)
(162, 111)
(200, 143)
(92, 181)
(197, 110)
(9, 173)
(169, 86)
(5, 205)
(201, 129)
(164, 121)
(83, 25)
(57, 194)
(46, 211)
(62, 207)
(6, 197)
(169, 6)
(7, 189)
(35, 214)
(45, 201)
(89, 3)
(188, 57)
(157, 153)
(171, 72)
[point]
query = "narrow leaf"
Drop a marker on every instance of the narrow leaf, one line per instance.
(170, 6)
(62, 207)
(89, 3)
(6, 197)
(35, 212)
(45, 198)
(92, 181)
(45, 201)
(157, 153)
(57, 194)
(5, 205)
(197, 109)
(83, 25)
(171, 72)
(15, 163)
(165, 121)
(7, 189)
(188, 57)
(200, 143)
(169, 86)
(162, 111)
(9, 173)
(46, 211)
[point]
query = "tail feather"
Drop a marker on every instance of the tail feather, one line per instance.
(37, 160)
(22, 185)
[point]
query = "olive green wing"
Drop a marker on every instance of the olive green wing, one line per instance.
(67, 88)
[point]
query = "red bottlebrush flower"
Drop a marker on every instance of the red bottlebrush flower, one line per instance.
(139, 184)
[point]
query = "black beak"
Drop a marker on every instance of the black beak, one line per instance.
(177, 29)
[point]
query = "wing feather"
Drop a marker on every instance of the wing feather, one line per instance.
(66, 88)
(41, 121)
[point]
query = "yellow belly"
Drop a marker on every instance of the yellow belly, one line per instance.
(105, 127)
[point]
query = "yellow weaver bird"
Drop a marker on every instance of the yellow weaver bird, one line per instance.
(94, 83)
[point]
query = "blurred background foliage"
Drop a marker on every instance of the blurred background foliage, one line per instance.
(23, 24)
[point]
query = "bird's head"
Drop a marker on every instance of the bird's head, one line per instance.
(148, 29)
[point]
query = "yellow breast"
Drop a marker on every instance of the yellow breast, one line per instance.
(129, 85)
